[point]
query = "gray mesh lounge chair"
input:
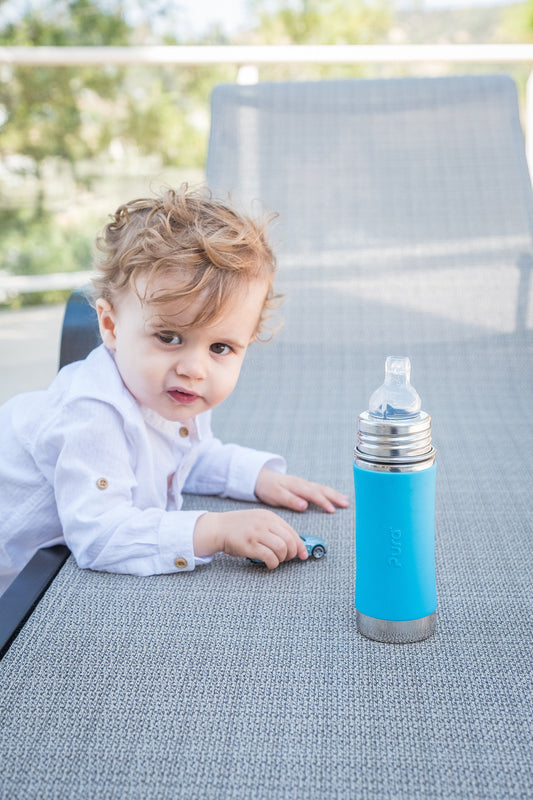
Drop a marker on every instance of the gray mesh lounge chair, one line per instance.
(405, 228)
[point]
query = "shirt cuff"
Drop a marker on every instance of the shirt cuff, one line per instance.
(176, 541)
(243, 473)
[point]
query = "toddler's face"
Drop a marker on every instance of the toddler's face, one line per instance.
(172, 369)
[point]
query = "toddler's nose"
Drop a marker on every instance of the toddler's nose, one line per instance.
(192, 367)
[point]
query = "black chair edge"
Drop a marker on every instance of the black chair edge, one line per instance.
(79, 336)
(80, 332)
(21, 596)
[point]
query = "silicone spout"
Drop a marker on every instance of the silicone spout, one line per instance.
(396, 398)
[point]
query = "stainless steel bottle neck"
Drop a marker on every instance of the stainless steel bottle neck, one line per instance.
(400, 445)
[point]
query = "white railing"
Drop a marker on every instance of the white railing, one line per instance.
(248, 58)
(270, 54)
(13, 285)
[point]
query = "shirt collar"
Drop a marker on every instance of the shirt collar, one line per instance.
(168, 426)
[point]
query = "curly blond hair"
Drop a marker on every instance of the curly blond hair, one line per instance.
(200, 244)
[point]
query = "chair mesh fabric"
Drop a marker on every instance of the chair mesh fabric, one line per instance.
(405, 228)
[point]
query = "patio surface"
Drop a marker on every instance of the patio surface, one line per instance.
(29, 348)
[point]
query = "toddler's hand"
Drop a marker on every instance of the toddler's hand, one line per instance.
(257, 533)
(296, 493)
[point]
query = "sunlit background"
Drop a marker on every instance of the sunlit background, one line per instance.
(75, 142)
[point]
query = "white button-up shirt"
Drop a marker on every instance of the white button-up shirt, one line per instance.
(83, 463)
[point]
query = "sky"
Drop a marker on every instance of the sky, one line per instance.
(232, 14)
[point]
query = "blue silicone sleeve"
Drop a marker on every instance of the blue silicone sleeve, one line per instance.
(395, 543)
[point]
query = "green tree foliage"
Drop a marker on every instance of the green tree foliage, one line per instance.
(322, 21)
(75, 119)
(47, 109)
(62, 127)
(312, 22)
(74, 113)
(518, 22)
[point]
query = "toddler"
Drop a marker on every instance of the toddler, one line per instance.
(100, 460)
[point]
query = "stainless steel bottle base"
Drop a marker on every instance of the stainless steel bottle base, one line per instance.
(396, 632)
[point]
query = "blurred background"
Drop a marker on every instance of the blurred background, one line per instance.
(76, 141)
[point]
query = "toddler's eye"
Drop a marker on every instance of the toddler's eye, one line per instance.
(167, 337)
(220, 349)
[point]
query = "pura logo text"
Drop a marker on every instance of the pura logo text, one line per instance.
(395, 548)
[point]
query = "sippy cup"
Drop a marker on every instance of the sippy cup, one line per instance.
(394, 473)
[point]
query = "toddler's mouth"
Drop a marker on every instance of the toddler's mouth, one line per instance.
(182, 396)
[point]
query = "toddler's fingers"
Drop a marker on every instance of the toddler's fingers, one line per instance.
(336, 497)
(294, 501)
(323, 496)
(285, 542)
(275, 548)
(267, 556)
(295, 547)
(302, 550)
(275, 540)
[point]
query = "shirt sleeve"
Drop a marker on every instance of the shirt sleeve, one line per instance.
(229, 470)
(107, 523)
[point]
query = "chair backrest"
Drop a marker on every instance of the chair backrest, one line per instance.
(349, 162)
(80, 332)
(392, 182)
(377, 180)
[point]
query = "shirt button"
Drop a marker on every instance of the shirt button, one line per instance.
(102, 483)
(184, 432)
(180, 563)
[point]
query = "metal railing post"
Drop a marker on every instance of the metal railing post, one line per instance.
(529, 122)
(248, 75)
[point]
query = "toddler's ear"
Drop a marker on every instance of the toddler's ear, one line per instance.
(106, 322)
